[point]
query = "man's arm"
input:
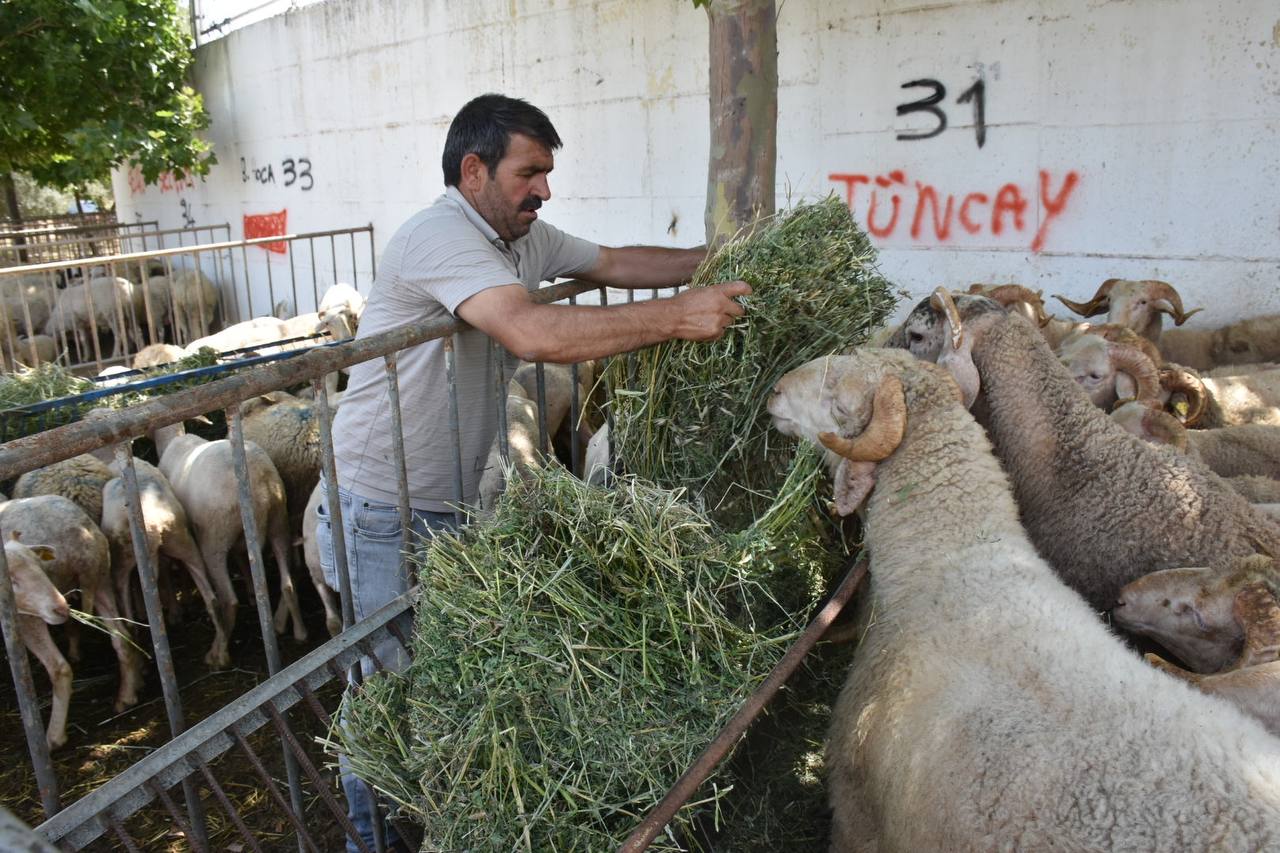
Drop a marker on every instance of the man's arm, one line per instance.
(565, 334)
(644, 266)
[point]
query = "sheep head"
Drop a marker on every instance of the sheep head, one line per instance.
(854, 406)
(33, 592)
(1151, 424)
(1136, 304)
(943, 329)
(1179, 381)
(1203, 615)
(1109, 371)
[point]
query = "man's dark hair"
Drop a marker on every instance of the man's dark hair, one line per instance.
(484, 126)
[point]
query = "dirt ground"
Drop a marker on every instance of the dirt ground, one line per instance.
(102, 744)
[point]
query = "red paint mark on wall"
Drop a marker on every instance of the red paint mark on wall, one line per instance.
(168, 182)
(266, 225)
(928, 215)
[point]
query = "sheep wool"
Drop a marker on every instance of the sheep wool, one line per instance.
(987, 708)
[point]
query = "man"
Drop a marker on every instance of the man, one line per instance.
(475, 254)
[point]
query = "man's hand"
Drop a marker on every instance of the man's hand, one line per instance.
(703, 313)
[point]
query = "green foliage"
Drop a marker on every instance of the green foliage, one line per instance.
(87, 85)
(36, 200)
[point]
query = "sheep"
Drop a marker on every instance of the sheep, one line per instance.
(203, 476)
(101, 303)
(1236, 617)
(25, 300)
(595, 468)
(339, 311)
(195, 304)
(250, 333)
(167, 532)
(1109, 371)
(311, 556)
(1200, 614)
(986, 706)
(79, 479)
(1256, 339)
(1218, 401)
(1022, 300)
(82, 563)
(1140, 305)
(1103, 506)
(39, 605)
(288, 429)
(524, 451)
(154, 355)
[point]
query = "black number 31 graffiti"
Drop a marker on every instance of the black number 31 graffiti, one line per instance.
(975, 93)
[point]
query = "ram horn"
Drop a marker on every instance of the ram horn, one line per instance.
(1121, 334)
(1179, 380)
(1164, 428)
(1162, 290)
(942, 302)
(1133, 361)
(1096, 305)
(884, 432)
(1008, 294)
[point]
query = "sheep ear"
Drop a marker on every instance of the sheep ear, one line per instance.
(45, 553)
(853, 482)
(959, 363)
(1256, 610)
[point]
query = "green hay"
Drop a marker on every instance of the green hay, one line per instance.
(573, 657)
(693, 415)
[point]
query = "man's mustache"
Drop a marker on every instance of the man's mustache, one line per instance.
(531, 203)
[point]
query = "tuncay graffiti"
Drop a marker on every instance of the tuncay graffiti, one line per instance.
(926, 214)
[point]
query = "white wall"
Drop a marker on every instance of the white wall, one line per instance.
(1152, 124)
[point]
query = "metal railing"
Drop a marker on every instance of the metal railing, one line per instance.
(191, 759)
(41, 242)
(97, 311)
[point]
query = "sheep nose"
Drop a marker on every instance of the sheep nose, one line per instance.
(62, 611)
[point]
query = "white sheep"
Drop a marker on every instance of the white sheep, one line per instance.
(1019, 299)
(1254, 340)
(1140, 305)
(1103, 506)
(311, 556)
(79, 478)
(1109, 371)
(82, 563)
(250, 333)
(986, 706)
(203, 476)
(154, 355)
(167, 533)
(339, 311)
(195, 304)
(288, 429)
(104, 304)
(39, 605)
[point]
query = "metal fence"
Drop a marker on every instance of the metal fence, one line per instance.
(93, 312)
(189, 777)
(78, 237)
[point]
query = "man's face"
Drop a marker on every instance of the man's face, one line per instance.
(509, 200)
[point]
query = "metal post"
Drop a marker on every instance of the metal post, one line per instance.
(397, 444)
(540, 381)
(32, 725)
(159, 634)
(334, 507)
(454, 429)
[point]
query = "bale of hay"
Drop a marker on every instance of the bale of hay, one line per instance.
(572, 659)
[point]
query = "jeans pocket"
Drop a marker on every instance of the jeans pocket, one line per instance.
(324, 547)
(375, 521)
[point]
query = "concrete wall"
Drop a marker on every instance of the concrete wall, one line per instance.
(1130, 138)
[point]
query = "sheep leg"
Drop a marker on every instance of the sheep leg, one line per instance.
(170, 604)
(215, 562)
(130, 666)
(122, 565)
(182, 548)
(288, 606)
(35, 636)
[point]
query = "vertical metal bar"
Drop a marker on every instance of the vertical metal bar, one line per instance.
(274, 790)
(315, 291)
(397, 447)
(498, 356)
(454, 429)
(293, 278)
(292, 744)
(20, 666)
(540, 380)
(575, 422)
(163, 796)
(125, 838)
(229, 808)
(244, 258)
(271, 287)
(155, 618)
(180, 332)
(333, 260)
(335, 509)
(259, 573)
(355, 272)
(93, 321)
(373, 261)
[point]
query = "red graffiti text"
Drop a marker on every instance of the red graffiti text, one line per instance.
(168, 182)
(895, 206)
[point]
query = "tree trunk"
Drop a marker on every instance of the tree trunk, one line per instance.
(15, 214)
(744, 114)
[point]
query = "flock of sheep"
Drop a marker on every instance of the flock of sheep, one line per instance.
(988, 707)
(69, 528)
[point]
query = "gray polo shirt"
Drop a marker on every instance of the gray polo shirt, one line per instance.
(439, 258)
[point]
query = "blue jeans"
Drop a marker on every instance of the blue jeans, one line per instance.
(378, 575)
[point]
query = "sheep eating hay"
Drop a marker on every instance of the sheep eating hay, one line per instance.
(986, 707)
